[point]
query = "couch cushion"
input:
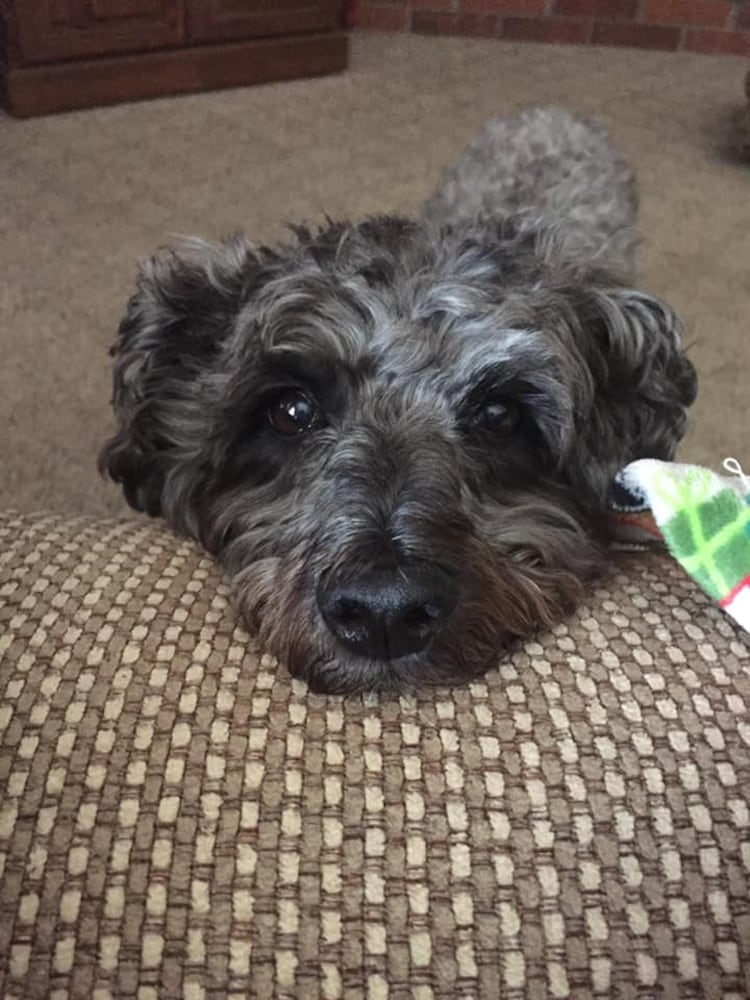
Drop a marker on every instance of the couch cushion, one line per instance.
(180, 819)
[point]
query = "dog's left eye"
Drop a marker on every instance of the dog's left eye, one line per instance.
(498, 416)
(292, 413)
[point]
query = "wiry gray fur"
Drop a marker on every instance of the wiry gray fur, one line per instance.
(399, 331)
(547, 168)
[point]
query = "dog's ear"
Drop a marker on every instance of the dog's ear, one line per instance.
(175, 326)
(643, 384)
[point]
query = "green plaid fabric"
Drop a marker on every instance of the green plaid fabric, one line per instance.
(712, 541)
(703, 518)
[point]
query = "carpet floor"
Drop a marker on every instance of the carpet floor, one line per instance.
(84, 195)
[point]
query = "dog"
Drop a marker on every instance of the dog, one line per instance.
(398, 436)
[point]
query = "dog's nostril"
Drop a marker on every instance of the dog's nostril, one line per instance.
(350, 612)
(421, 617)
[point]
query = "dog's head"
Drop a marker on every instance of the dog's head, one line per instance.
(398, 440)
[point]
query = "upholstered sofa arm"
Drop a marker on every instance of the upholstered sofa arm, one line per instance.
(180, 819)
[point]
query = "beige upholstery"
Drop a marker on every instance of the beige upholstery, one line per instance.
(180, 819)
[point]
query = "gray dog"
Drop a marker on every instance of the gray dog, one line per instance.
(399, 436)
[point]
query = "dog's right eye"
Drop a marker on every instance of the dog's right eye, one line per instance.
(292, 413)
(498, 416)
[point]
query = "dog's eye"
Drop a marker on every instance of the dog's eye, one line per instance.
(498, 416)
(292, 413)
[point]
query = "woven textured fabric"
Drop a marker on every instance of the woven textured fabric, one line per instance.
(180, 819)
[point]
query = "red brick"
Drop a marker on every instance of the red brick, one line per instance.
(553, 30)
(434, 23)
(505, 6)
(695, 13)
(433, 4)
(605, 10)
(379, 18)
(730, 43)
(742, 17)
(638, 36)
(574, 8)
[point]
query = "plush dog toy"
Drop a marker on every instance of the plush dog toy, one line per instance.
(701, 517)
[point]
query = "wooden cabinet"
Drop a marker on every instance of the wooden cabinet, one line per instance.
(221, 19)
(56, 55)
(50, 30)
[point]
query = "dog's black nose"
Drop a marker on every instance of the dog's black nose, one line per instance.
(386, 614)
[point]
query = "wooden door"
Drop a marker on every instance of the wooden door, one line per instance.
(49, 30)
(214, 20)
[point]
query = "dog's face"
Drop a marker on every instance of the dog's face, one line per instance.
(398, 442)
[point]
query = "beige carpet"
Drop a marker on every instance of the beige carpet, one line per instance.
(82, 196)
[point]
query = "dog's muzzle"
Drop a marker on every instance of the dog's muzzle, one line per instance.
(385, 614)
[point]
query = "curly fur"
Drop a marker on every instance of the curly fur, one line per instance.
(550, 170)
(514, 284)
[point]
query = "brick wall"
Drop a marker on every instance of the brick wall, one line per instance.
(714, 26)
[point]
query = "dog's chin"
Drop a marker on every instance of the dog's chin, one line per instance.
(339, 672)
(336, 671)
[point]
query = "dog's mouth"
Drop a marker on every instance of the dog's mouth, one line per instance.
(397, 627)
(348, 674)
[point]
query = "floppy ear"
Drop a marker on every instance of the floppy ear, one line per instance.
(643, 382)
(175, 325)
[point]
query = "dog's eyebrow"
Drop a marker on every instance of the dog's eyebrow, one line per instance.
(521, 360)
(508, 379)
(314, 368)
(327, 377)
(508, 351)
